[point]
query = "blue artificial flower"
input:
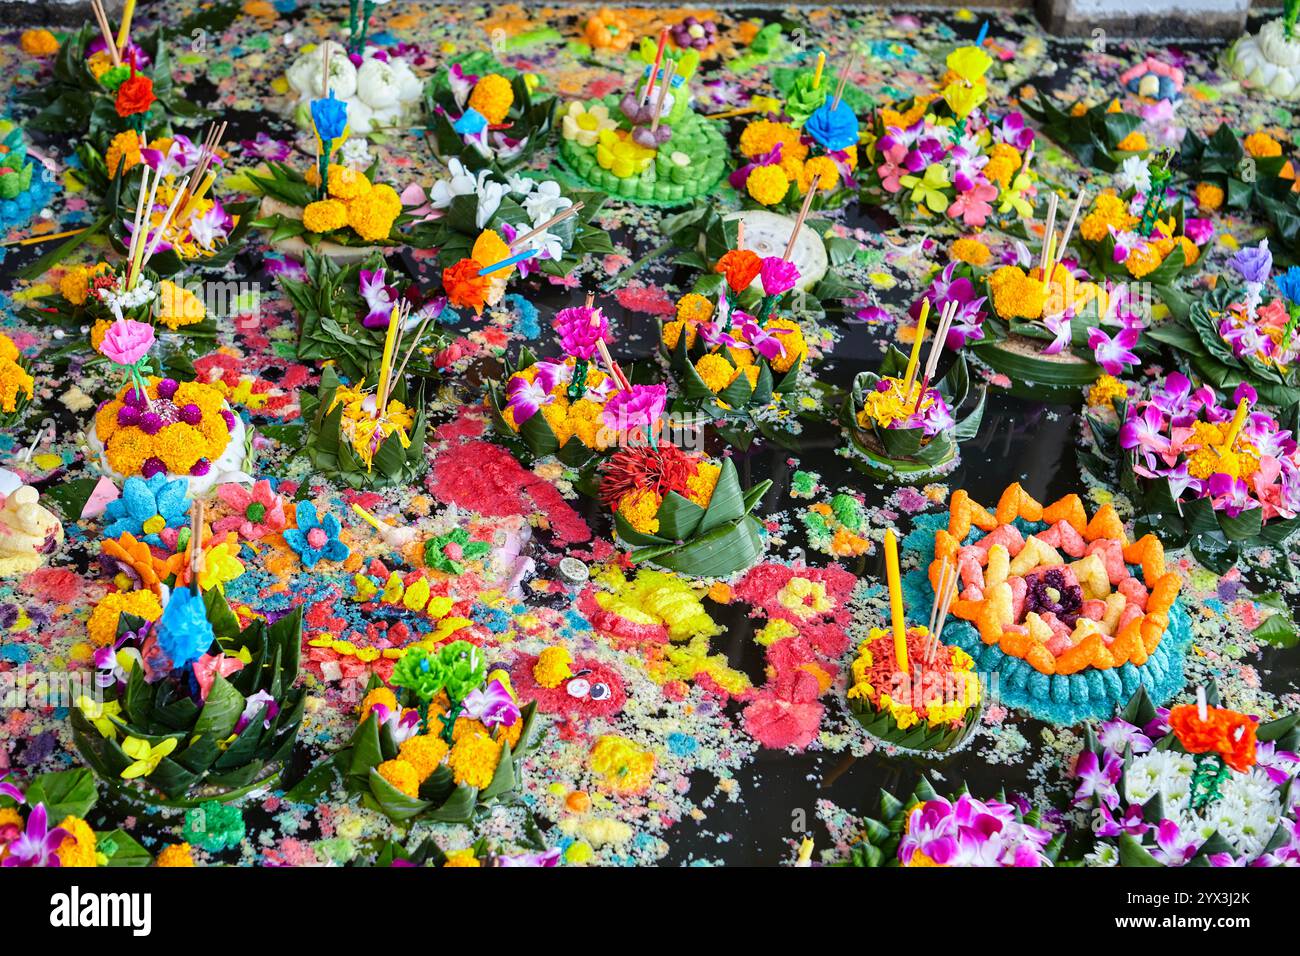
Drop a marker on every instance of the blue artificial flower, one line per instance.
(147, 507)
(184, 632)
(330, 117)
(316, 538)
(1289, 283)
(834, 129)
(471, 123)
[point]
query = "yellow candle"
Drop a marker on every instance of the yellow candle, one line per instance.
(916, 348)
(895, 600)
(821, 64)
(1238, 421)
(386, 364)
(124, 32)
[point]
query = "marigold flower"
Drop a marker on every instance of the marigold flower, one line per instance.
(325, 215)
(1134, 142)
(740, 267)
(970, 250)
(1208, 196)
(424, 753)
(553, 667)
(492, 96)
(78, 847)
(473, 760)
(1261, 145)
(641, 508)
(39, 43)
(767, 184)
(176, 854)
(124, 152)
(401, 775)
(345, 183)
(693, 307)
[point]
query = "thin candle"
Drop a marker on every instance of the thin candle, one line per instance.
(124, 32)
(507, 262)
(821, 65)
(386, 363)
(915, 358)
(895, 600)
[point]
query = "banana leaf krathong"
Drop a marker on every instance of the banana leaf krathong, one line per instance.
(440, 799)
(921, 738)
(740, 397)
(882, 834)
(329, 306)
(1132, 846)
(714, 541)
(529, 119)
(333, 453)
(75, 105)
(210, 759)
(1217, 539)
(907, 454)
(1093, 136)
(1199, 345)
(535, 438)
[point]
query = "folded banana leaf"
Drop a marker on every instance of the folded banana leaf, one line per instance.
(921, 738)
(711, 542)
(440, 798)
(530, 118)
(1218, 540)
(906, 454)
(1198, 343)
(1093, 137)
(334, 455)
(210, 761)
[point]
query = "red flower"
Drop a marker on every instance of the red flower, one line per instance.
(135, 95)
(639, 467)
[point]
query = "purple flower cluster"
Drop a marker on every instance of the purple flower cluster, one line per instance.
(971, 832)
(968, 324)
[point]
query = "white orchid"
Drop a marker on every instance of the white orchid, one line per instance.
(461, 182)
(490, 194)
(545, 201)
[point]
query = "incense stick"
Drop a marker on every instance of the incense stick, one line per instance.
(1069, 225)
(33, 240)
(1047, 232)
(106, 31)
(844, 79)
(538, 230)
(803, 214)
(669, 70)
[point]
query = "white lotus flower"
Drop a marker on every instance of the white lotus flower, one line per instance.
(377, 84)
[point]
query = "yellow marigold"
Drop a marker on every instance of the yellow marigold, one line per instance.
(385, 197)
(178, 306)
(1000, 171)
(761, 136)
(38, 43)
(1261, 145)
(180, 446)
(424, 753)
(1143, 260)
(97, 333)
(473, 760)
(380, 695)
(693, 307)
(640, 508)
(371, 215)
(716, 372)
(1191, 252)
(102, 625)
(970, 250)
(325, 215)
(1016, 295)
(78, 847)
(700, 486)
(462, 858)
(128, 449)
(346, 183)
(14, 380)
(1105, 390)
(1209, 197)
(8, 350)
(401, 775)
(493, 96)
(823, 167)
(123, 151)
(793, 341)
(1134, 142)
(767, 184)
(553, 667)
(672, 331)
(176, 854)
(75, 284)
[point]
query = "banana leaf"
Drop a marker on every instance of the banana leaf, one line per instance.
(739, 399)
(535, 438)
(531, 118)
(921, 738)
(1092, 137)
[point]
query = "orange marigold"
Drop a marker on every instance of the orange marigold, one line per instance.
(740, 267)
(465, 288)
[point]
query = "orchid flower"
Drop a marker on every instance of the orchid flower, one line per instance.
(379, 297)
(1114, 354)
(492, 705)
(37, 845)
(525, 399)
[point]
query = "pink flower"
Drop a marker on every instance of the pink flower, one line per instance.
(973, 206)
(127, 341)
(892, 168)
(258, 511)
(580, 329)
(778, 275)
(637, 407)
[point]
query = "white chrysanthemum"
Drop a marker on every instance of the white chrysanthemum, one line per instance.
(1134, 174)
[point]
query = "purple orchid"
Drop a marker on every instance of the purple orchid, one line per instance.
(967, 324)
(252, 706)
(492, 705)
(525, 399)
(286, 267)
(715, 336)
(266, 148)
(402, 724)
(10, 790)
(1097, 779)
(1012, 129)
(767, 344)
(1119, 735)
(36, 846)
(546, 858)
(379, 297)
(1114, 354)
(1175, 401)
(1059, 325)
(1230, 495)
(1144, 429)
(1280, 765)
(1172, 849)
(1132, 822)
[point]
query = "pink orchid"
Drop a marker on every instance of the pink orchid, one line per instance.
(973, 206)
(892, 168)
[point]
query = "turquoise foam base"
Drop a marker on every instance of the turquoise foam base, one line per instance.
(1091, 694)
